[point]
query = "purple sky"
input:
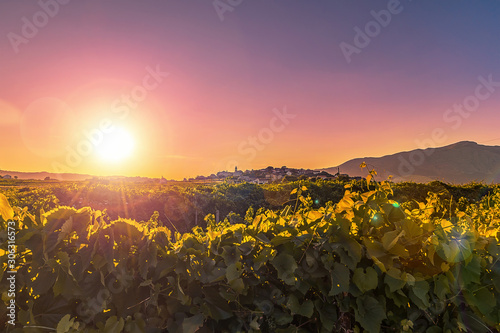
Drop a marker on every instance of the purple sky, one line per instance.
(214, 109)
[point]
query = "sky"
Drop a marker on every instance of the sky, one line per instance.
(186, 88)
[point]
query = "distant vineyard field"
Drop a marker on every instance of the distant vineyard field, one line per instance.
(186, 206)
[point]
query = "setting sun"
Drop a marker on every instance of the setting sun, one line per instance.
(116, 145)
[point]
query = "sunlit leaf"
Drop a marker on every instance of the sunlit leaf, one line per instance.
(6, 210)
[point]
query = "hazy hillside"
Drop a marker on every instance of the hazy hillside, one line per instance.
(43, 175)
(461, 162)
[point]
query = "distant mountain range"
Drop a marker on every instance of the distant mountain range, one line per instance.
(458, 163)
(43, 175)
(66, 176)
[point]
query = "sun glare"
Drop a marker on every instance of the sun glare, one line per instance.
(116, 145)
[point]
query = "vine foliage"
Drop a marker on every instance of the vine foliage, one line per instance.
(363, 264)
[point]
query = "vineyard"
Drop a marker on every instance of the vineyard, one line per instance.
(184, 207)
(364, 257)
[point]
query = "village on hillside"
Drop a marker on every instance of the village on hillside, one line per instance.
(269, 175)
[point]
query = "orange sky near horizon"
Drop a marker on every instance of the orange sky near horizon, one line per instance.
(268, 85)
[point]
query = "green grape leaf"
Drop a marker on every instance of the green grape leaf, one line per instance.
(192, 324)
(369, 313)
(340, 275)
(419, 294)
(483, 299)
(65, 324)
(365, 281)
(471, 272)
(412, 230)
(237, 285)
(327, 314)
(391, 238)
(282, 318)
(285, 266)
(441, 286)
(114, 325)
(230, 254)
(394, 280)
(305, 309)
(60, 283)
(43, 282)
(232, 272)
